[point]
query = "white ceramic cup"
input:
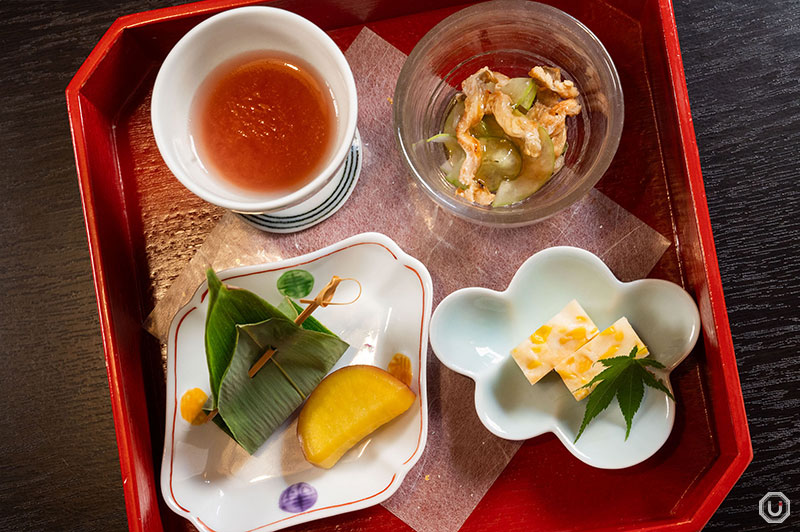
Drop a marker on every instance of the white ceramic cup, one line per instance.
(213, 42)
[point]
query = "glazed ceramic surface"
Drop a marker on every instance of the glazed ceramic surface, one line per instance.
(208, 478)
(474, 329)
(219, 39)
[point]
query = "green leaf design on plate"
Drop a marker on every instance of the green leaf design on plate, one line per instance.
(253, 408)
(295, 283)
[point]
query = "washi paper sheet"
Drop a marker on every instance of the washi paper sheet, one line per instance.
(462, 459)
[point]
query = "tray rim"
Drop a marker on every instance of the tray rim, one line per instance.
(719, 310)
(132, 489)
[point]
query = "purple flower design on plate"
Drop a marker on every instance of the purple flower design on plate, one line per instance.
(298, 498)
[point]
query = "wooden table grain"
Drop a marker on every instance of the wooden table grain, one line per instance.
(59, 468)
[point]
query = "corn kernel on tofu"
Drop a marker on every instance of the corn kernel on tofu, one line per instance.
(580, 368)
(554, 342)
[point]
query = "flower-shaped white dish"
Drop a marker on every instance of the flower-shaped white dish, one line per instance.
(474, 329)
(207, 478)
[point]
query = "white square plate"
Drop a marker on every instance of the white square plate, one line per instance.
(205, 475)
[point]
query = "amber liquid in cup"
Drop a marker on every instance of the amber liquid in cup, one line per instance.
(264, 122)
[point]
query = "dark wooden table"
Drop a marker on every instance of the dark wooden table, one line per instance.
(59, 468)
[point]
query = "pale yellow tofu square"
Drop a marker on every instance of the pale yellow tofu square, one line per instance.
(580, 368)
(554, 341)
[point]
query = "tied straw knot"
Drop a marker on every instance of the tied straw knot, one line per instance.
(325, 295)
(323, 299)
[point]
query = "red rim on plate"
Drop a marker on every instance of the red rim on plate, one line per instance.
(359, 240)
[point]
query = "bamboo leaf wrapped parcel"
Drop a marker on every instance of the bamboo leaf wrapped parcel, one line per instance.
(240, 328)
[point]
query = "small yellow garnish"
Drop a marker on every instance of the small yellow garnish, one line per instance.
(400, 368)
(533, 363)
(566, 374)
(541, 334)
(581, 394)
(610, 352)
(578, 334)
(584, 364)
(192, 406)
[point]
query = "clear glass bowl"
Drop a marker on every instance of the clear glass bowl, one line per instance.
(510, 36)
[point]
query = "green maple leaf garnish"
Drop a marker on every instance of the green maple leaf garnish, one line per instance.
(625, 377)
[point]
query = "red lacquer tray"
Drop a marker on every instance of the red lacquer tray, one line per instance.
(143, 227)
